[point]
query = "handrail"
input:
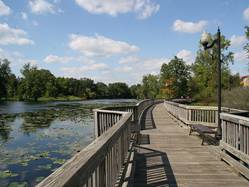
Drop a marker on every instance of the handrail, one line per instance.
(104, 120)
(205, 115)
(235, 140)
(99, 163)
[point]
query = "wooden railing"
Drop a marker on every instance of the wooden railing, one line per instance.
(206, 115)
(100, 163)
(235, 130)
(107, 160)
(106, 117)
(235, 141)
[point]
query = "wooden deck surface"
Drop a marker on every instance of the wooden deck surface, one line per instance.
(167, 156)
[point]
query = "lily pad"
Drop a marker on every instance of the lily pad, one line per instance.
(7, 173)
(45, 167)
(58, 161)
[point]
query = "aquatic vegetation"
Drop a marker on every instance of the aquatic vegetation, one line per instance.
(18, 184)
(39, 179)
(44, 167)
(7, 173)
(58, 161)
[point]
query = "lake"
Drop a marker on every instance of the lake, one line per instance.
(37, 138)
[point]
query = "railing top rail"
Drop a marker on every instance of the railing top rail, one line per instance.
(235, 119)
(204, 107)
(72, 172)
(110, 111)
(140, 102)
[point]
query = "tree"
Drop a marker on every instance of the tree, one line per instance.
(246, 47)
(150, 86)
(136, 91)
(101, 90)
(5, 73)
(12, 86)
(35, 83)
(119, 90)
(205, 68)
(174, 78)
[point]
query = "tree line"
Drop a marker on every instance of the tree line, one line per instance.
(36, 83)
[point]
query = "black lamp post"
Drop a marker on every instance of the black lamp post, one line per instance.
(205, 42)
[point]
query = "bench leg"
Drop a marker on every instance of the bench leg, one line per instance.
(190, 131)
(202, 143)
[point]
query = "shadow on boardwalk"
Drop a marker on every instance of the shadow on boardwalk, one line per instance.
(153, 169)
(147, 122)
(152, 166)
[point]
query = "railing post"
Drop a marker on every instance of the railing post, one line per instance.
(96, 125)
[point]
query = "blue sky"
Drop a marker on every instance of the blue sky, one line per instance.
(115, 40)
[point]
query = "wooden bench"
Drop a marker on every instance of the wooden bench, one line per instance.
(202, 130)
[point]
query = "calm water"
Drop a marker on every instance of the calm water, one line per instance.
(37, 138)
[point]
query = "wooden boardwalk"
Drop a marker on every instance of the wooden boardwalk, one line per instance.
(167, 156)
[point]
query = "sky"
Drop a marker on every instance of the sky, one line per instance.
(116, 40)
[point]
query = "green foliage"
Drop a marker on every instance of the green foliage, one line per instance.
(150, 86)
(36, 83)
(246, 47)
(119, 90)
(40, 84)
(236, 98)
(175, 76)
(205, 69)
(102, 90)
(5, 73)
(136, 91)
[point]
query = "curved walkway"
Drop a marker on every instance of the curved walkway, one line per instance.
(167, 156)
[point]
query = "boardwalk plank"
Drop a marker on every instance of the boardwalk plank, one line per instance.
(167, 156)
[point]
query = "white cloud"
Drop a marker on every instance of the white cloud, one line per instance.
(124, 69)
(78, 71)
(143, 8)
(186, 55)
(154, 63)
(240, 56)
(13, 36)
(99, 45)
(246, 13)
(41, 7)
(58, 59)
(237, 41)
(4, 9)
(24, 16)
(189, 27)
(128, 60)
(16, 59)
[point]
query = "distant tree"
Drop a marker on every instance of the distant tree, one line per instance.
(175, 76)
(35, 82)
(136, 91)
(246, 47)
(205, 68)
(119, 90)
(12, 86)
(150, 86)
(101, 90)
(5, 73)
